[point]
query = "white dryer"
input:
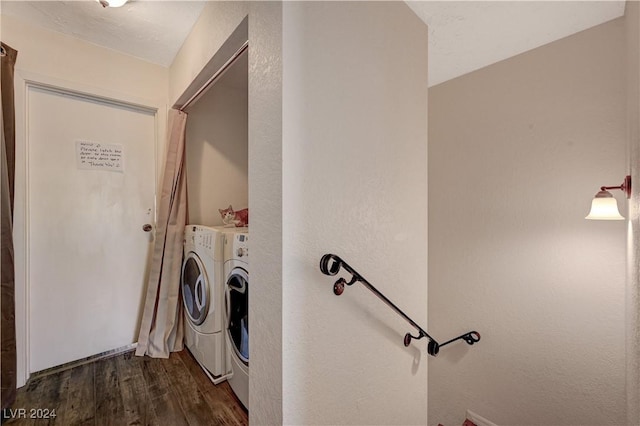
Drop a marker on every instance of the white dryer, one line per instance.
(202, 287)
(236, 272)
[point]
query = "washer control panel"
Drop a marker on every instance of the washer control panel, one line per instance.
(208, 240)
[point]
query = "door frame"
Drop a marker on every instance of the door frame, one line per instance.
(235, 45)
(24, 81)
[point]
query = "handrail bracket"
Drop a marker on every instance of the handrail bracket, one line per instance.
(330, 264)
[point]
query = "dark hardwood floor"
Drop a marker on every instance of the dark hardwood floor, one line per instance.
(129, 390)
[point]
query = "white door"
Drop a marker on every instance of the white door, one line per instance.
(87, 250)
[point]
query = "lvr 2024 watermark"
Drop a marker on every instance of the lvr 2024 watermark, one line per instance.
(31, 413)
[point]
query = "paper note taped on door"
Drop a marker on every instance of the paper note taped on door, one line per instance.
(99, 156)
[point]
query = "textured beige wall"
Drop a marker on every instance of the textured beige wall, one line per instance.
(265, 204)
(354, 164)
(516, 152)
(632, 25)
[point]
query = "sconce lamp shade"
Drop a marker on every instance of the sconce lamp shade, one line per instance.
(112, 3)
(604, 207)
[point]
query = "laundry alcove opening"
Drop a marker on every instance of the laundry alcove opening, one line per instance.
(217, 147)
(216, 164)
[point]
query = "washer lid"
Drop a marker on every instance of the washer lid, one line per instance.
(195, 289)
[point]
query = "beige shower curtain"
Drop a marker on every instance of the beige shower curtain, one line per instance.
(161, 330)
(7, 286)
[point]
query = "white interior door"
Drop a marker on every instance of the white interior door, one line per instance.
(87, 250)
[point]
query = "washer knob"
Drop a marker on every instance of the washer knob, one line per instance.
(240, 252)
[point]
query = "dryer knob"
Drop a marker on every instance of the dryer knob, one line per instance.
(240, 252)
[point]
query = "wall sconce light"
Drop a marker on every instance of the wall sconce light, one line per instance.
(112, 3)
(604, 206)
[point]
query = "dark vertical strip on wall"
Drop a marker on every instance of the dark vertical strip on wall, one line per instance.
(7, 295)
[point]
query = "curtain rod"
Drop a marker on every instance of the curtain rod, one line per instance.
(216, 75)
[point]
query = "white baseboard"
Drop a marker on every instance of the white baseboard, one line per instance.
(93, 358)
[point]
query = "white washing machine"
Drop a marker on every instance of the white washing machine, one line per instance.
(202, 286)
(236, 272)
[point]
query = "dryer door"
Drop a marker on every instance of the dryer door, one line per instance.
(195, 289)
(237, 307)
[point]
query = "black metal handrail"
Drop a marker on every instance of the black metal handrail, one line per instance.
(330, 264)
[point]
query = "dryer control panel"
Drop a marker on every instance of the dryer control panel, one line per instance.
(237, 246)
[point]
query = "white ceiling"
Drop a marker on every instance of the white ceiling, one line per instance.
(464, 35)
(467, 35)
(149, 30)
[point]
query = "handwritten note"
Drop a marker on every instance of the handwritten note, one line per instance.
(99, 156)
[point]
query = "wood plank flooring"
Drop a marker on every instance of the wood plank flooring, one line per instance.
(129, 390)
